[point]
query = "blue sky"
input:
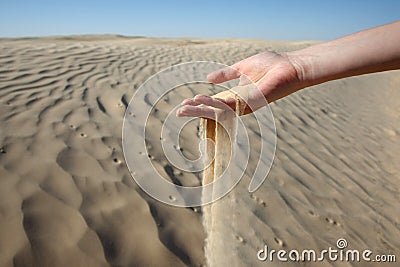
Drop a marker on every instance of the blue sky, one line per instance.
(273, 20)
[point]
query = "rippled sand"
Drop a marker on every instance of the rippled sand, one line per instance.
(67, 197)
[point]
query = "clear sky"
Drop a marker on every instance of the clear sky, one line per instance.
(268, 19)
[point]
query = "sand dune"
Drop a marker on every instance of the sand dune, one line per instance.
(67, 197)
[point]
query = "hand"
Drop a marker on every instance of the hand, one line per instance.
(275, 76)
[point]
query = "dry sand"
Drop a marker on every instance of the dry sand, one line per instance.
(67, 198)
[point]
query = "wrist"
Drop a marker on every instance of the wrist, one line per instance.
(304, 66)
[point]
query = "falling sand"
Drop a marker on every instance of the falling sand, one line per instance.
(219, 217)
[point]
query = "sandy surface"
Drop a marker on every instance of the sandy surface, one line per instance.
(67, 197)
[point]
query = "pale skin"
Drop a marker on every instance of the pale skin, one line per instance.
(280, 74)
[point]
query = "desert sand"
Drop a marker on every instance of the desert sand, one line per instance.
(67, 197)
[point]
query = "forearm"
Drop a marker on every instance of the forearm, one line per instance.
(373, 50)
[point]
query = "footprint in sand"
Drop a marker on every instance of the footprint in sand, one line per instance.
(240, 239)
(279, 241)
(311, 213)
(332, 221)
(258, 200)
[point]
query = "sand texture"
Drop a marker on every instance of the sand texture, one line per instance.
(67, 197)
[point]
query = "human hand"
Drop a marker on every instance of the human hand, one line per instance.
(274, 76)
(279, 74)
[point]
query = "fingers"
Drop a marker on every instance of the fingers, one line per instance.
(196, 111)
(212, 102)
(223, 75)
(191, 106)
(190, 102)
(215, 102)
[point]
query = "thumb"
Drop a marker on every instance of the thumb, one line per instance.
(223, 75)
